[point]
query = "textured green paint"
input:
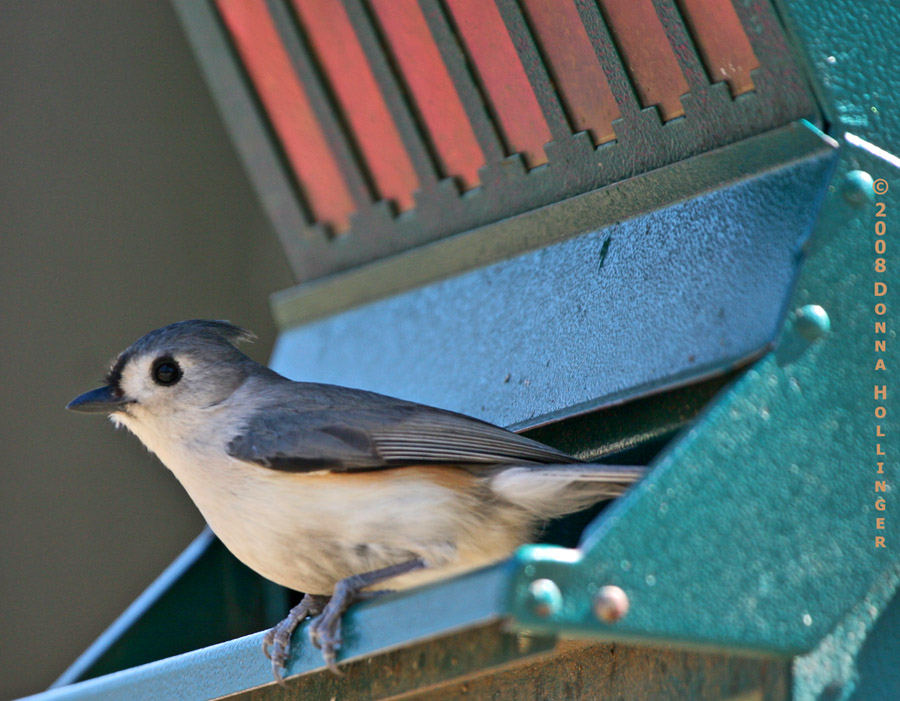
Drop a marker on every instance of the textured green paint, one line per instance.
(756, 528)
(851, 54)
(831, 671)
(876, 659)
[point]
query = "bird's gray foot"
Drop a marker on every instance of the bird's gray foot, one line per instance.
(277, 642)
(325, 631)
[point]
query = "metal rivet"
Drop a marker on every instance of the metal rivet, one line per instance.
(812, 322)
(610, 604)
(857, 188)
(546, 597)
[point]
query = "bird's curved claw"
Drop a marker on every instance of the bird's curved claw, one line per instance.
(325, 634)
(276, 646)
(276, 643)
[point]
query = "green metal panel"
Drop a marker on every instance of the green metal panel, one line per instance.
(756, 529)
(858, 658)
(851, 53)
(876, 674)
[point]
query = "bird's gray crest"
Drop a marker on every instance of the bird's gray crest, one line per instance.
(195, 334)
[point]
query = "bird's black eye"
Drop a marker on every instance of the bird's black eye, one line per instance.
(166, 371)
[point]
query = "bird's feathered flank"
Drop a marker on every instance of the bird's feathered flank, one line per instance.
(199, 332)
(312, 427)
(549, 491)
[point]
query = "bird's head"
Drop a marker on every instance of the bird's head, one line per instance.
(170, 373)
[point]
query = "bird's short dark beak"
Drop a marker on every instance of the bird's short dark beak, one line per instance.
(102, 400)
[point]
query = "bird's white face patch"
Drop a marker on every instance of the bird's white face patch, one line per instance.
(197, 384)
(177, 400)
(137, 383)
(156, 410)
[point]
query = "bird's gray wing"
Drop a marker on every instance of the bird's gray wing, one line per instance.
(362, 431)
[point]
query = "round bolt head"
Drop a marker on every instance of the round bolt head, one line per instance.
(546, 597)
(857, 188)
(610, 604)
(812, 322)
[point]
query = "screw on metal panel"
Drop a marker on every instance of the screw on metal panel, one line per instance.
(546, 598)
(807, 325)
(857, 188)
(811, 321)
(610, 604)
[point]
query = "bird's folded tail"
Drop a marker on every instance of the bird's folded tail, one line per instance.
(549, 491)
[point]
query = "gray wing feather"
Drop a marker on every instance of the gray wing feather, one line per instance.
(322, 427)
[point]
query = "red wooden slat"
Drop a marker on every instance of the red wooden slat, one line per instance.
(289, 110)
(350, 75)
(579, 78)
(649, 58)
(503, 76)
(429, 82)
(722, 42)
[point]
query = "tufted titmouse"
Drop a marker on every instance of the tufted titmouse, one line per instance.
(329, 490)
